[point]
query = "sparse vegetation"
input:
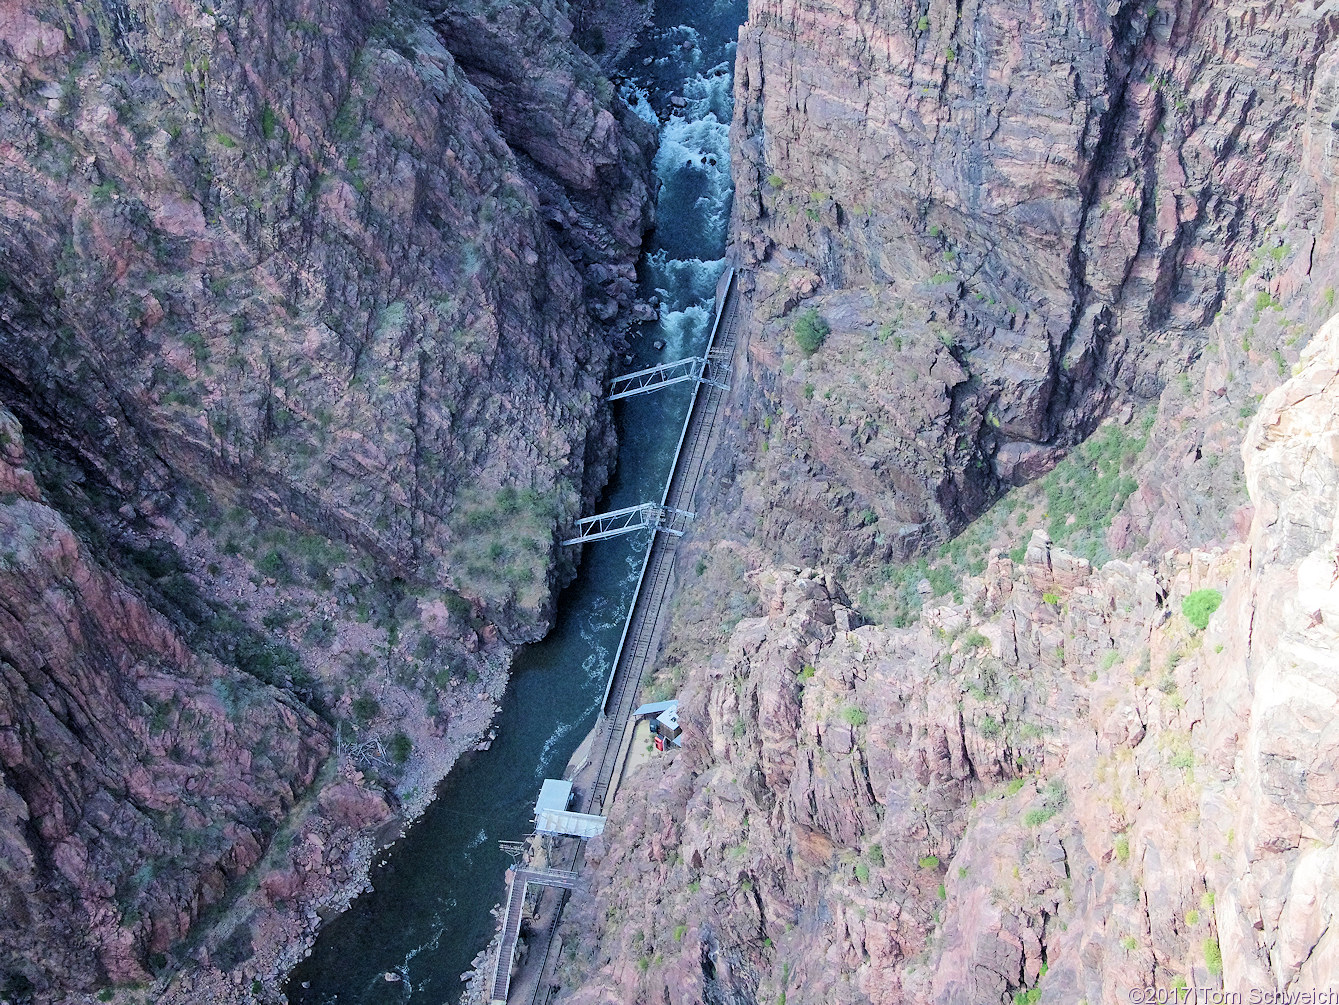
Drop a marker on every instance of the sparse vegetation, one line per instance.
(1213, 957)
(811, 330)
(855, 716)
(1122, 848)
(1091, 485)
(1037, 817)
(1198, 607)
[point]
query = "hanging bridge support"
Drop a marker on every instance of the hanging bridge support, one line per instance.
(698, 368)
(648, 516)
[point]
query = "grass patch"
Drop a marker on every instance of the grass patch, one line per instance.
(1122, 847)
(1037, 817)
(1213, 957)
(1091, 485)
(1198, 607)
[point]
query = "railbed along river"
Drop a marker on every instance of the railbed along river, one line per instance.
(428, 913)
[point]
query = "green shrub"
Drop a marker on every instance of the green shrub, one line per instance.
(775, 180)
(855, 716)
(862, 872)
(929, 862)
(876, 854)
(811, 329)
(365, 708)
(1122, 845)
(1199, 605)
(400, 747)
(1029, 997)
(1037, 817)
(1192, 917)
(1129, 943)
(1213, 956)
(974, 640)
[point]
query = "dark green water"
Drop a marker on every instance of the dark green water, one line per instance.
(428, 914)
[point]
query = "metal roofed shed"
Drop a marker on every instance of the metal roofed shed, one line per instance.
(565, 822)
(665, 728)
(554, 795)
(655, 708)
(553, 817)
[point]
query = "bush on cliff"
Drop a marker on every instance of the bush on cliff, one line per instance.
(811, 330)
(1199, 605)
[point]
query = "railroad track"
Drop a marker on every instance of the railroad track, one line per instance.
(648, 618)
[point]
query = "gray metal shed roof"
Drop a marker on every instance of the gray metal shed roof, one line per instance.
(656, 706)
(553, 795)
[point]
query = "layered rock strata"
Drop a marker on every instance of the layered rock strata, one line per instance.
(1058, 789)
(1048, 203)
(137, 779)
(294, 316)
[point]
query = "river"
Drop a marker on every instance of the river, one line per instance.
(428, 913)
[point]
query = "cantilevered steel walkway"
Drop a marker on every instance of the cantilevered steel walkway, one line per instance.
(511, 924)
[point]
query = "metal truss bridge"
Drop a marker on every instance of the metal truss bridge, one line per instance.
(711, 369)
(647, 516)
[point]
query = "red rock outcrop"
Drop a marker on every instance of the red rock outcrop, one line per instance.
(1055, 790)
(138, 780)
(1059, 196)
(293, 312)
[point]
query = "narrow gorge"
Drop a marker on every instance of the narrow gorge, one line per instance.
(1004, 636)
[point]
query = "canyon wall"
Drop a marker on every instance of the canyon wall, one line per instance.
(294, 327)
(1045, 204)
(954, 729)
(1057, 788)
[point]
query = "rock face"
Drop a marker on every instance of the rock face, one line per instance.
(287, 256)
(137, 780)
(1055, 790)
(1057, 196)
(293, 318)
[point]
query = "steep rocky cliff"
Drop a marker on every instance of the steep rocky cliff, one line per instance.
(136, 778)
(1070, 783)
(305, 310)
(1017, 217)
